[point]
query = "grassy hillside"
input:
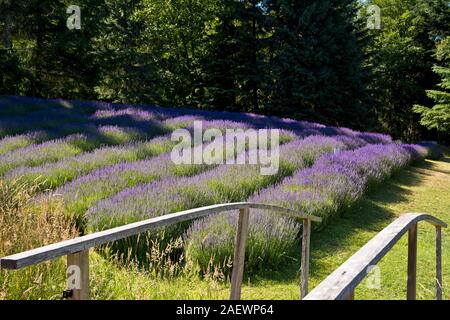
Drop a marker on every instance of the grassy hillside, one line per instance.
(420, 188)
(80, 167)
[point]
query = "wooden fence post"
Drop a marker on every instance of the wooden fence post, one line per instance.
(412, 262)
(438, 263)
(239, 254)
(78, 275)
(351, 295)
(305, 258)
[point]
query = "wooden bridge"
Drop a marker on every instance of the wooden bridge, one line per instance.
(338, 286)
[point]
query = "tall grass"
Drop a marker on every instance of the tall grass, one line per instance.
(24, 225)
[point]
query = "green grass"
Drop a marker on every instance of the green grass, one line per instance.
(421, 188)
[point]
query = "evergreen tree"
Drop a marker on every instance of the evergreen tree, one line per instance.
(56, 60)
(11, 73)
(403, 60)
(219, 83)
(235, 68)
(438, 117)
(128, 73)
(318, 62)
(176, 32)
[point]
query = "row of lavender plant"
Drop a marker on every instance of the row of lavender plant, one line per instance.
(334, 183)
(74, 145)
(81, 193)
(54, 124)
(11, 143)
(226, 183)
(54, 150)
(45, 119)
(55, 174)
(74, 112)
(64, 119)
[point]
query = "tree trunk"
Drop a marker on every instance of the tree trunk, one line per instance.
(7, 38)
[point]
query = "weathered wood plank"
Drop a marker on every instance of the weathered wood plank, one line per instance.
(351, 295)
(304, 276)
(78, 275)
(63, 248)
(412, 263)
(239, 254)
(341, 282)
(438, 263)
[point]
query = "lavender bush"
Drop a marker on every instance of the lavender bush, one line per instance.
(52, 175)
(73, 145)
(223, 184)
(46, 152)
(99, 158)
(80, 194)
(226, 183)
(11, 143)
(332, 184)
(69, 116)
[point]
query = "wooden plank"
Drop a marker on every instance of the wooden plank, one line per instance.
(412, 263)
(239, 254)
(63, 248)
(438, 263)
(304, 276)
(341, 282)
(351, 295)
(78, 275)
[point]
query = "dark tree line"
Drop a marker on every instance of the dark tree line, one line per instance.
(309, 59)
(403, 55)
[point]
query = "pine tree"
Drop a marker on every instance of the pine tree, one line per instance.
(235, 68)
(318, 62)
(11, 74)
(128, 72)
(219, 82)
(176, 32)
(57, 61)
(403, 60)
(438, 117)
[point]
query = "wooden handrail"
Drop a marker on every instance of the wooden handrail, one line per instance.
(340, 285)
(77, 250)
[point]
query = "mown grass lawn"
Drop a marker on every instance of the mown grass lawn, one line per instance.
(420, 188)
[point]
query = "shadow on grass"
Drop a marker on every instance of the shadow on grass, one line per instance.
(445, 159)
(368, 215)
(433, 168)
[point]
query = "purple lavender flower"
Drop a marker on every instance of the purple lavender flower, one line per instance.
(11, 143)
(334, 182)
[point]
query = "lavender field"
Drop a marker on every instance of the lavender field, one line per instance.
(110, 165)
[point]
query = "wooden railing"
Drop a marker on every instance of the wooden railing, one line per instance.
(341, 284)
(77, 250)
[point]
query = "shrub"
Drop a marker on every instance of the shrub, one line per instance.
(335, 182)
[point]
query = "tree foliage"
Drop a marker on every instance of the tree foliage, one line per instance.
(310, 59)
(403, 60)
(318, 62)
(438, 117)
